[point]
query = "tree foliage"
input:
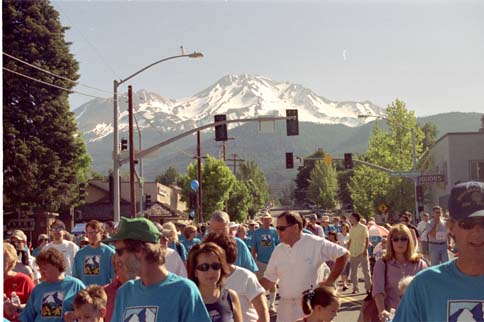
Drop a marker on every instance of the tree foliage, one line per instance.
(169, 177)
(302, 178)
(239, 202)
(45, 157)
(254, 179)
(323, 186)
(391, 149)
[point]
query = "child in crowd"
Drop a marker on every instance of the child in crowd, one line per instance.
(90, 304)
(320, 305)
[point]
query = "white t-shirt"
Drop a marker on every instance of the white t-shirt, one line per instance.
(421, 227)
(343, 240)
(174, 263)
(247, 287)
(69, 249)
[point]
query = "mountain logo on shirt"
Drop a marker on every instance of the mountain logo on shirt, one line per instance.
(52, 304)
(141, 314)
(266, 240)
(465, 311)
(92, 264)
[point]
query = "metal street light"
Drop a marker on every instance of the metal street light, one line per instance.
(116, 155)
(414, 152)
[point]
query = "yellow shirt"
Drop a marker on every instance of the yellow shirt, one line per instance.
(358, 236)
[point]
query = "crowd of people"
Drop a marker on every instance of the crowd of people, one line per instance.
(224, 271)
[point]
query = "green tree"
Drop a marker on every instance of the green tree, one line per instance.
(239, 201)
(217, 183)
(323, 186)
(302, 178)
(391, 149)
(256, 183)
(169, 177)
(44, 155)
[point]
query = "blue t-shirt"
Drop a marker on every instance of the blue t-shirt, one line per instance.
(189, 243)
(49, 302)
(442, 293)
(307, 231)
(328, 229)
(93, 265)
(180, 249)
(175, 299)
(244, 257)
(264, 241)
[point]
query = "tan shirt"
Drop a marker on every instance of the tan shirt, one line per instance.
(358, 237)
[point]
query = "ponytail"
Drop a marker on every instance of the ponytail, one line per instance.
(322, 296)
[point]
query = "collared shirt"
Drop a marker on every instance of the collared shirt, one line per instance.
(296, 268)
(358, 236)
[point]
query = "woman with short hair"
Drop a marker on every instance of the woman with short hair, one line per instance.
(190, 233)
(173, 242)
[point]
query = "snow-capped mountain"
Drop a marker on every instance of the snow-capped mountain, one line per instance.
(237, 96)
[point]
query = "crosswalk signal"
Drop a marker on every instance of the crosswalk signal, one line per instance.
(348, 161)
(124, 144)
(193, 200)
(220, 130)
(82, 191)
(289, 160)
(292, 122)
(420, 193)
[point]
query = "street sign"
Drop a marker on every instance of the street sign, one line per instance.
(430, 178)
(383, 208)
(405, 174)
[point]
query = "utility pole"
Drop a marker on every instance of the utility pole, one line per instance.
(235, 160)
(131, 153)
(199, 178)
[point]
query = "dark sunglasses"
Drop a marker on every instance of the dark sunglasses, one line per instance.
(402, 239)
(120, 251)
(282, 228)
(470, 224)
(205, 267)
(56, 229)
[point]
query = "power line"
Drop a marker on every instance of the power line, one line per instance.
(50, 73)
(52, 85)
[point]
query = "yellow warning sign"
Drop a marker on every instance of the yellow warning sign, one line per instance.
(383, 208)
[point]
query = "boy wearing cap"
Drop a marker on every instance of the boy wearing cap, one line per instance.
(453, 291)
(42, 240)
(67, 248)
(158, 295)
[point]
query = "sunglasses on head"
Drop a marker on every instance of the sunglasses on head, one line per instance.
(470, 223)
(205, 267)
(282, 228)
(397, 239)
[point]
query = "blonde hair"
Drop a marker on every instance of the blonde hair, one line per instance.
(171, 226)
(188, 230)
(411, 254)
(10, 253)
(93, 295)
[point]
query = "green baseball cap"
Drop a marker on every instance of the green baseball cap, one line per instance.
(136, 229)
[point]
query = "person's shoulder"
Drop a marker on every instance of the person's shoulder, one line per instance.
(241, 271)
(73, 280)
(106, 248)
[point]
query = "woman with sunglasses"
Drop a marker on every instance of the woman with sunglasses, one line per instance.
(207, 267)
(401, 260)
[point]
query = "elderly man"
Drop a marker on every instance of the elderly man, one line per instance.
(452, 291)
(92, 263)
(314, 227)
(66, 247)
(295, 263)
(438, 236)
(219, 223)
(158, 295)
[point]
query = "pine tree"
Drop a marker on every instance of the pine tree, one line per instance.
(44, 156)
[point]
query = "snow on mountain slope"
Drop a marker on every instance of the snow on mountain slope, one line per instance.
(237, 96)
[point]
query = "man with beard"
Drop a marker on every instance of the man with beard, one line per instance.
(452, 291)
(92, 264)
(158, 295)
(66, 247)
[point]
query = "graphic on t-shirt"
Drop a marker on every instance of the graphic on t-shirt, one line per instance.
(215, 316)
(92, 264)
(266, 240)
(52, 304)
(460, 311)
(141, 314)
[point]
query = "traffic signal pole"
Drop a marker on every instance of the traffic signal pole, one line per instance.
(199, 178)
(131, 154)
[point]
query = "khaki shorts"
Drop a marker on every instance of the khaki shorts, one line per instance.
(262, 268)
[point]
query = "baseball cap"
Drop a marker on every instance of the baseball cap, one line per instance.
(140, 229)
(43, 236)
(467, 200)
(20, 235)
(58, 224)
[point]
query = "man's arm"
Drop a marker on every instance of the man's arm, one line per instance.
(253, 251)
(338, 267)
(269, 284)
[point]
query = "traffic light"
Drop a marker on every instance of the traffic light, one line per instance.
(289, 160)
(420, 193)
(220, 130)
(193, 200)
(124, 144)
(82, 191)
(348, 162)
(292, 125)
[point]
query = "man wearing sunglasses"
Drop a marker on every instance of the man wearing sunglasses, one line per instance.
(295, 264)
(453, 291)
(158, 295)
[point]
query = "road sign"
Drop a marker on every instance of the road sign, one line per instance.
(430, 178)
(405, 174)
(383, 208)
(328, 159)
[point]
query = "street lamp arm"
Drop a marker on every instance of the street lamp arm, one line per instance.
(155, 147)
(192, 55)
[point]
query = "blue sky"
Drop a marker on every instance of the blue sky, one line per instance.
(430, 55)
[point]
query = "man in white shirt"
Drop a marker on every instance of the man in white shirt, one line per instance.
(438, 236)
(295, 262)
(423, 239)
(66, 247)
